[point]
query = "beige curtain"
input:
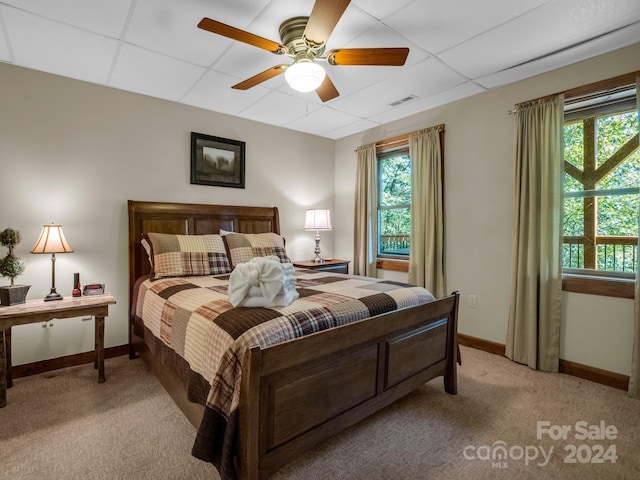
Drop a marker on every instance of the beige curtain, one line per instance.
(533, 331)
(366, 211)
(426, 261)
(634, 379)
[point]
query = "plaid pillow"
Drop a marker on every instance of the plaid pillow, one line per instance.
(242, 247)
(187, 255)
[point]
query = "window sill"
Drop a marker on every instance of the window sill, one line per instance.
(608, 287)
(389, 264)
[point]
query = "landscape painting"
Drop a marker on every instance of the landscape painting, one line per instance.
(217, 161)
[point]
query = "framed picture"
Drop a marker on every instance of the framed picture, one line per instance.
(216, 161)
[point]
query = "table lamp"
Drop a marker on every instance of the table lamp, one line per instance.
(317, 220)
(52, 241)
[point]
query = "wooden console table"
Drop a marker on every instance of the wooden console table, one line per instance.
(34, 311)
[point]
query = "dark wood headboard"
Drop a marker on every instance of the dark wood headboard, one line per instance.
(190, 219)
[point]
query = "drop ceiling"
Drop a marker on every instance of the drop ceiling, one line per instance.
(457, 49)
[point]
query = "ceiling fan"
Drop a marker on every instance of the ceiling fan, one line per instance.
(303, 40)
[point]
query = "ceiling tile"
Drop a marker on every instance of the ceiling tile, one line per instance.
(352, 25)
(351, 79)
(267, 23)
(607, 43)
(445, 24)
(58, 48)
(423, 80)
(106, 18)
(564, 23)
(214, 92)
(278, 108)
(381, 9)
(368, 102)
(159, 26)
(321, 121)
(429, 77)
(421, 104)
(243, 61)
(355, 127)
(142, 71)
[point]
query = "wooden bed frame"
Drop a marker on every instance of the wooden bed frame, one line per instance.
(297, 394)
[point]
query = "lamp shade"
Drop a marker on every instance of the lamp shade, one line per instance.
(51, 240)
(317, 219)
(304, 76)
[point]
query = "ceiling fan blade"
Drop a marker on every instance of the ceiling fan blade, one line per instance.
(327, 90)
(323, 19)
(261, 77)
(240, 35)
(394, 57)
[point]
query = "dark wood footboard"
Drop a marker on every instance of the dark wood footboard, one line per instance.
(296, 394)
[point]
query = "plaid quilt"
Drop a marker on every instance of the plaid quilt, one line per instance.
(189, 321)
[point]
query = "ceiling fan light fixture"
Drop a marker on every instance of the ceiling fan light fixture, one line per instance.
(304, 76)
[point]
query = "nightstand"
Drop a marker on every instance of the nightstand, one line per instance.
(34, 311)
(334, 265)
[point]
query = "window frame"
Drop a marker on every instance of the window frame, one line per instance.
(398, 150)
(597, 282)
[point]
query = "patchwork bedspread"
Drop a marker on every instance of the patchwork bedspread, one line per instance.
(190, 318)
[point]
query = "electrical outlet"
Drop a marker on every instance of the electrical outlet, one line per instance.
(473, 301)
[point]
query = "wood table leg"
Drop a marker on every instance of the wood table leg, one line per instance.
(7, 339)
(95, 342)
(3, 372)
(99, 349)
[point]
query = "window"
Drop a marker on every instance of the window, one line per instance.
(601, 184)
(394, 203)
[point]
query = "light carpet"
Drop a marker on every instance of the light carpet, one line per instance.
(64, 425)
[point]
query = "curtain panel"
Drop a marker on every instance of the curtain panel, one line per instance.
(426, 261)
(366, 212)
(533, 333)
(634, 377)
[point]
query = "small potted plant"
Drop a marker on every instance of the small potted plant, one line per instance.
(10, 267)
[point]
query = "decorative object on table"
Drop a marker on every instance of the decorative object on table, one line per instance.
(10, 267)
(52, 241)
(93, 289)
(216, 161)
(317, 220)
(77, 289)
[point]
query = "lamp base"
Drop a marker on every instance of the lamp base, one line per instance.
(318, 258)
(53, 295)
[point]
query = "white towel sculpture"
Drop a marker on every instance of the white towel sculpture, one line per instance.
(262, 282)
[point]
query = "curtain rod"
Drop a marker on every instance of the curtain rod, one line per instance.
(400, 139)
(578, 93)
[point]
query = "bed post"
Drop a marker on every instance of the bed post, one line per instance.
(451, 376)
(249, 423)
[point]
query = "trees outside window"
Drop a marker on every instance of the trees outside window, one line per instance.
(394, 208)
(601, 189)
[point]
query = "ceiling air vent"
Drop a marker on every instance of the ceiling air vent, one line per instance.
(403, 100)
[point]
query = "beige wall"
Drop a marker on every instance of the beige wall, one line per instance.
(596, 331)
(73, 153)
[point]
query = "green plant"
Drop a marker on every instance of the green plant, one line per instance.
(10, 266)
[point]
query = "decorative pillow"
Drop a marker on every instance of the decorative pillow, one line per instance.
(242, 247)
(187, 255)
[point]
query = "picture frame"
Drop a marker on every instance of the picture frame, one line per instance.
(217, 161)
